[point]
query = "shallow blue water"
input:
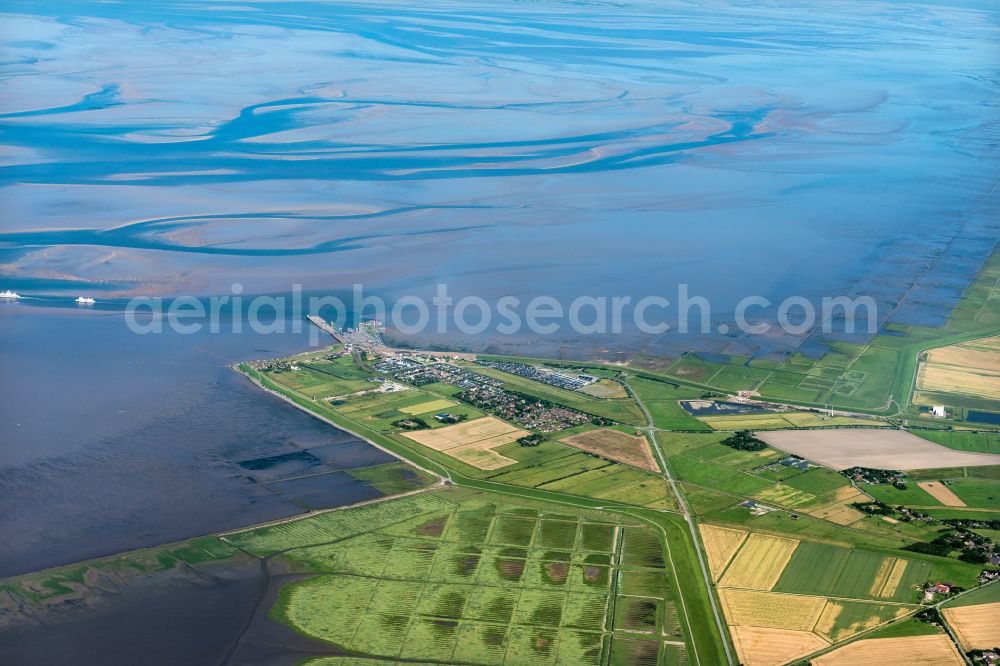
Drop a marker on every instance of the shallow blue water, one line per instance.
(566, 148)
(504, 147)
(113, 441)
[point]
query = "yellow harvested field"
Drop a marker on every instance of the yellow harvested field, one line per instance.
(615, 445)
(839, 509)
(848, 494)
(883, 448)
(941, 493)
(890, 572)
(970, 368)
(761, 646)
(430, 406)
(759, 563)
(770, 609)
(844, 515)
(884, 569)
(977, 627)
(721, 544)
(472, 442)
(827, 624)
(933, 650)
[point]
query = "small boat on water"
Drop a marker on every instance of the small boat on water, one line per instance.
(9, 295)
(85, 300)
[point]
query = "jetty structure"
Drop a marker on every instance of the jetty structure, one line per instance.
(326, 327)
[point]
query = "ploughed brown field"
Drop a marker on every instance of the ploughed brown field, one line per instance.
(615, 445)
(941, 493)
(883, 448)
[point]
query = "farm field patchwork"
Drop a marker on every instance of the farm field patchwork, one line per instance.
(888, 577)
(615, 445)
(842, 619)
(881, 448)
(472, 442)
(557, 467)
(911, 495)
(954, 373)
(930, 650)
(810, 605)
(838, 509)
(759, 475)
(835, 571)
(661, 399)
(833, 620)
(766, 593)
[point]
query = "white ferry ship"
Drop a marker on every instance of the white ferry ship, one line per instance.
(85, 300)
(10, 295)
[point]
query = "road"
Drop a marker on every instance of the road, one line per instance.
(685, 511)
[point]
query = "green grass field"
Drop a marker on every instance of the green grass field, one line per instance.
(912, 495)
(989, 594)
(977, 493)
(459, 576)
(908, 627)
(392, 478)
(825, 570)
(661, 399)
(961, 440)
(855, 616)
(324, 378)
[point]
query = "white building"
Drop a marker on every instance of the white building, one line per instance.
(938, 411)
